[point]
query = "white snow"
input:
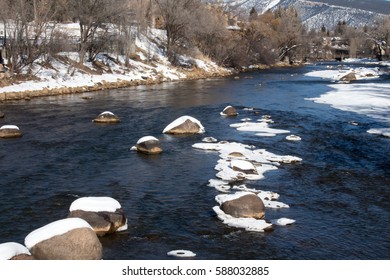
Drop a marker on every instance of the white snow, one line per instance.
(282, 221)
(222, 113)
(10, 249)
(222, 198)
(146, 139)
(336, 74)
(95, 204)
(181, 120)
(249, 224)
(262, 128)
(181, 254)
(380, 131)
(53, 229)
(242, 165)
(14, 127)
(266, 197)
(107, 113)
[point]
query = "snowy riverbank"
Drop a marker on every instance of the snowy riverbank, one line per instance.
(62, 74)
(363, 95)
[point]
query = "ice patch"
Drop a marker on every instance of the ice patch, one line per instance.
(181, 254)
(282, 222)
(95, 204)
(11, 249)
(261, 128)
(293, 138)
(56, 228)
(380, 131)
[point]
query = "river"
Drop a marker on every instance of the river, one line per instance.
(339, 194)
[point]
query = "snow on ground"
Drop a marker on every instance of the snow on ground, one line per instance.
(95, 204)
(61, 72)
(53, 229)
(11, 249)
(336, 74)
(368, 98)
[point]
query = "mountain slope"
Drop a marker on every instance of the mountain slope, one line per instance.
(314, 14)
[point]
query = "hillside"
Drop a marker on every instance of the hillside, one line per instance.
(314, 14)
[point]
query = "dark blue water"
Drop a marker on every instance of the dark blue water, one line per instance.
(339, 194)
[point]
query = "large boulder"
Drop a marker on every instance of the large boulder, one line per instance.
(14, 251)
(184, 125)
(349, 77)
(10, 131)
(68, 239)
(229, 111)
(148, 145)
(246, 206)
(106, 117)
(104, 214)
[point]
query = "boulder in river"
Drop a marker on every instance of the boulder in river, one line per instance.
(148, 145)
(104, 214)
(10, 131)
(106, 118)
(229, 111)
(67, 239)
(184, 125)
(246, 206)
(14, 251)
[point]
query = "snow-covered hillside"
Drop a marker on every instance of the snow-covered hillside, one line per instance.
(314, 14)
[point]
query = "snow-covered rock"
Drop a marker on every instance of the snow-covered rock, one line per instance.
(67, 239)
(229, 111)
(184, 125)
(148, 145)
(104, 214)
(247, 205)
(106, 117)
(10, 131)
(282, 222)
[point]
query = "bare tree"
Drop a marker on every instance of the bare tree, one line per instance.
(93, 17)
(178, 16)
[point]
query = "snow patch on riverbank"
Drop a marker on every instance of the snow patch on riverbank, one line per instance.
(368, 98)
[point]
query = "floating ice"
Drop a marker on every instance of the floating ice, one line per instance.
(56, 228)
(293, 138)
(95, 204)
(11, 249)
(249, 224)
(282, 222)
(181, 254)
(261, 128)
(380, 131)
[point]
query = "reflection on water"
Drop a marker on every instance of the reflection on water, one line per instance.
(338, 195)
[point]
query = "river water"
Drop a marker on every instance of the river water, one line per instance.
(339, 195)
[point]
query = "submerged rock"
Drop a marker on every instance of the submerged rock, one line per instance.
(106, 117)
(148, 145)
(184, 125)
(10, 131)
(67, 239)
